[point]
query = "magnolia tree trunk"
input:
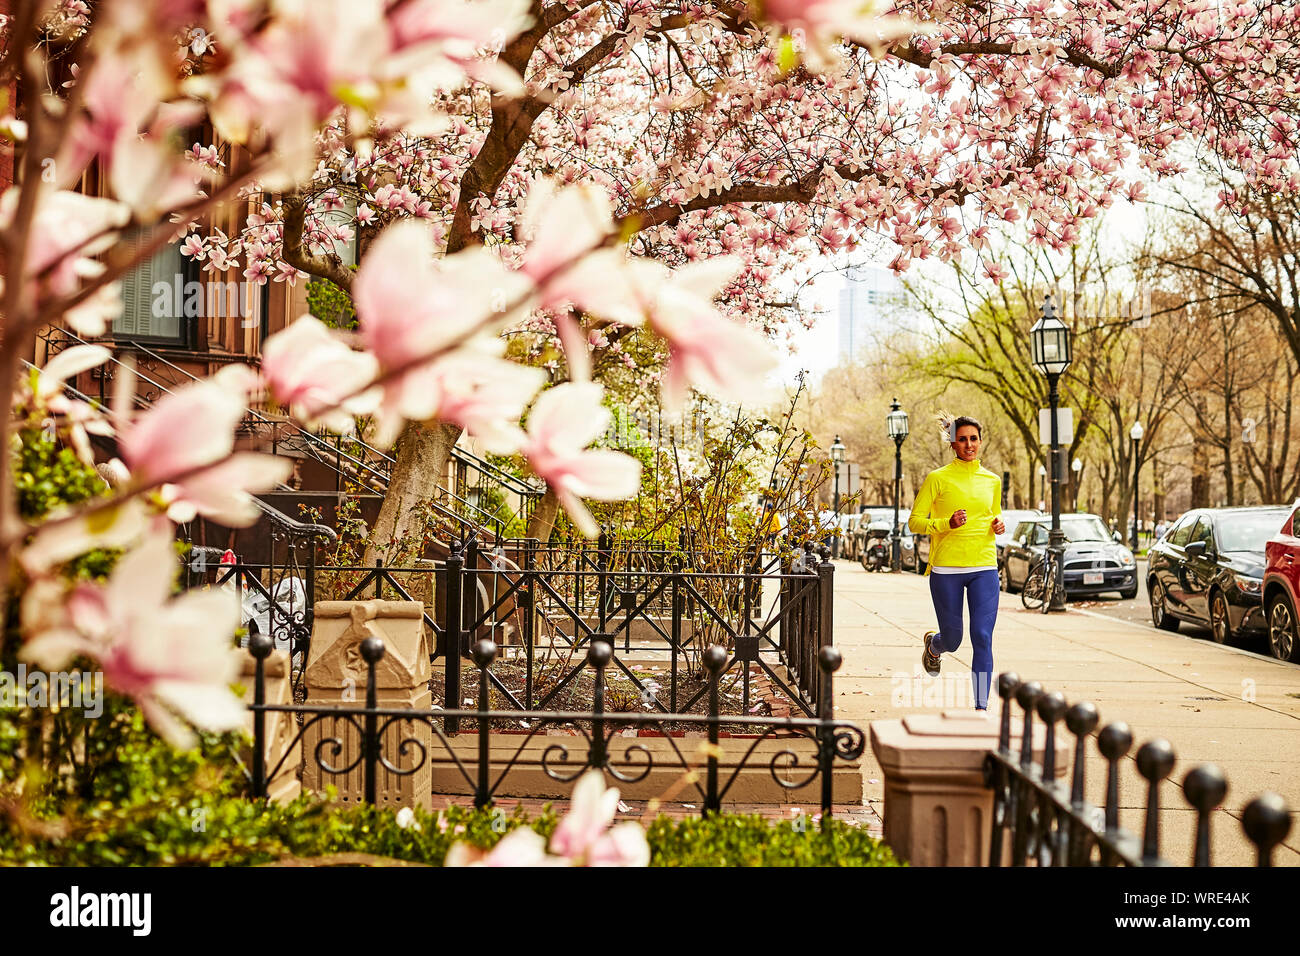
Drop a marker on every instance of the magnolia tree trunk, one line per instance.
(542, 521)
(422, 453)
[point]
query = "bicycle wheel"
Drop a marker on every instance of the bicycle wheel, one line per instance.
(1031, 595)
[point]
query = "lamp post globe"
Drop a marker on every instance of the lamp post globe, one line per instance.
(1136, 433)
(896, 422)
(1051, 351)
(1077, 467)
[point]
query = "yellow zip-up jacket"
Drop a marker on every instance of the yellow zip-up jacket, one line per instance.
(958, 484)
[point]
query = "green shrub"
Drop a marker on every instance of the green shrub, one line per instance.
(213, 829)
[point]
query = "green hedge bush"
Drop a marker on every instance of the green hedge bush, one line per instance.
(235, 831)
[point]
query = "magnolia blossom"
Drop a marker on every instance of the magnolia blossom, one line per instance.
(172, 656)
(191, 428)
(562, 423)
(583, 838)
(65, 534)
(821, 23)
(425, 321)
(68, 229)
(317, 375)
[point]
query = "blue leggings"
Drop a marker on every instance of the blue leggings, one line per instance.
(982, 590)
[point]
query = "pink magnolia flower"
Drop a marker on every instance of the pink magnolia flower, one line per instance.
(562, 423)
(316, 375)
(994, 271)
(412, 306)
(473, 387)
(706, 349)
(585, 834)
(519, 847)
(67, 231)
(194, 426)
(583, 838)
(172, 656)
(821, 23)
(68, 364)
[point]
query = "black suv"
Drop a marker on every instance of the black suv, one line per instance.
(1209, 567)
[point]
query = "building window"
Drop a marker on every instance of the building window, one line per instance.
(155, 296)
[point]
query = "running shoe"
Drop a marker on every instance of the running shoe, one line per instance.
(928, 660)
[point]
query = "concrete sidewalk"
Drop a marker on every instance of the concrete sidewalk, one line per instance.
(1215, 704)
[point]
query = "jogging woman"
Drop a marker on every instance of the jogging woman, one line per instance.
(959, 507)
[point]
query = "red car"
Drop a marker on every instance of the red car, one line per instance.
(1282, 588)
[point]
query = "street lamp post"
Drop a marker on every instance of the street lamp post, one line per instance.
(1077, 467)
(897, 422)
(1042, 484)
(1135, 433)
(1050, 347)
(837, 456)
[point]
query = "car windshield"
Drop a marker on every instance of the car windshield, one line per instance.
(1248, 531)
(1083, 528)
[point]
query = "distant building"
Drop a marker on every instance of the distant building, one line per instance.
(869, 295)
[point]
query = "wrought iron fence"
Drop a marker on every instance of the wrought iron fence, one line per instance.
(541, 613)
(1040, 820)
(371, 733)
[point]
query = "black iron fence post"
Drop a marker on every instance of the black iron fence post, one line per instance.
(715, 659)
(1205, 788)
(372, 649)
(829, 661)
(484, 653)
(1004, 796)
(1027, 695)
(530, 616)
(451, 640)
(260, 646)
(678, 599)
(1266, 822)
(599, 653)
(1051, 846)
(1081, 720)
(1114, 742)
(1155, 761)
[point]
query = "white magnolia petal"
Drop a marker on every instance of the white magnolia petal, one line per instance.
(67, 364)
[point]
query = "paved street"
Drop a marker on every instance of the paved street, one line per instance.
(1220, 704)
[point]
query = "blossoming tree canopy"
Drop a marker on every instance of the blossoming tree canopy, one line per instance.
(512, 166)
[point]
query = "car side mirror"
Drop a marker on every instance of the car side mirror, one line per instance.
(1196, 549)
(1114, 536)
(1021, 539)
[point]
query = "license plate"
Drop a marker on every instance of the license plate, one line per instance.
(1093, 577)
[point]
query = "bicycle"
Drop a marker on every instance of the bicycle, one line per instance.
(1040, 584)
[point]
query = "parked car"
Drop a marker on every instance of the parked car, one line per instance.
(1209, 569)
(1011, 520)
(1094, 562)
(1281, 598)
(848, 536)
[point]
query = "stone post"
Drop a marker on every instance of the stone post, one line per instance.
(938, 812)
(336, 677)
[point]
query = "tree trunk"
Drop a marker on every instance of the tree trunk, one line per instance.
(1200, 476)
(422, 453)
(542, 521)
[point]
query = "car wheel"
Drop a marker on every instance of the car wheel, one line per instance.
(1160, 615)
(1003, 583)
(1220, 624)
(1130, 593)
(1283, 642)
